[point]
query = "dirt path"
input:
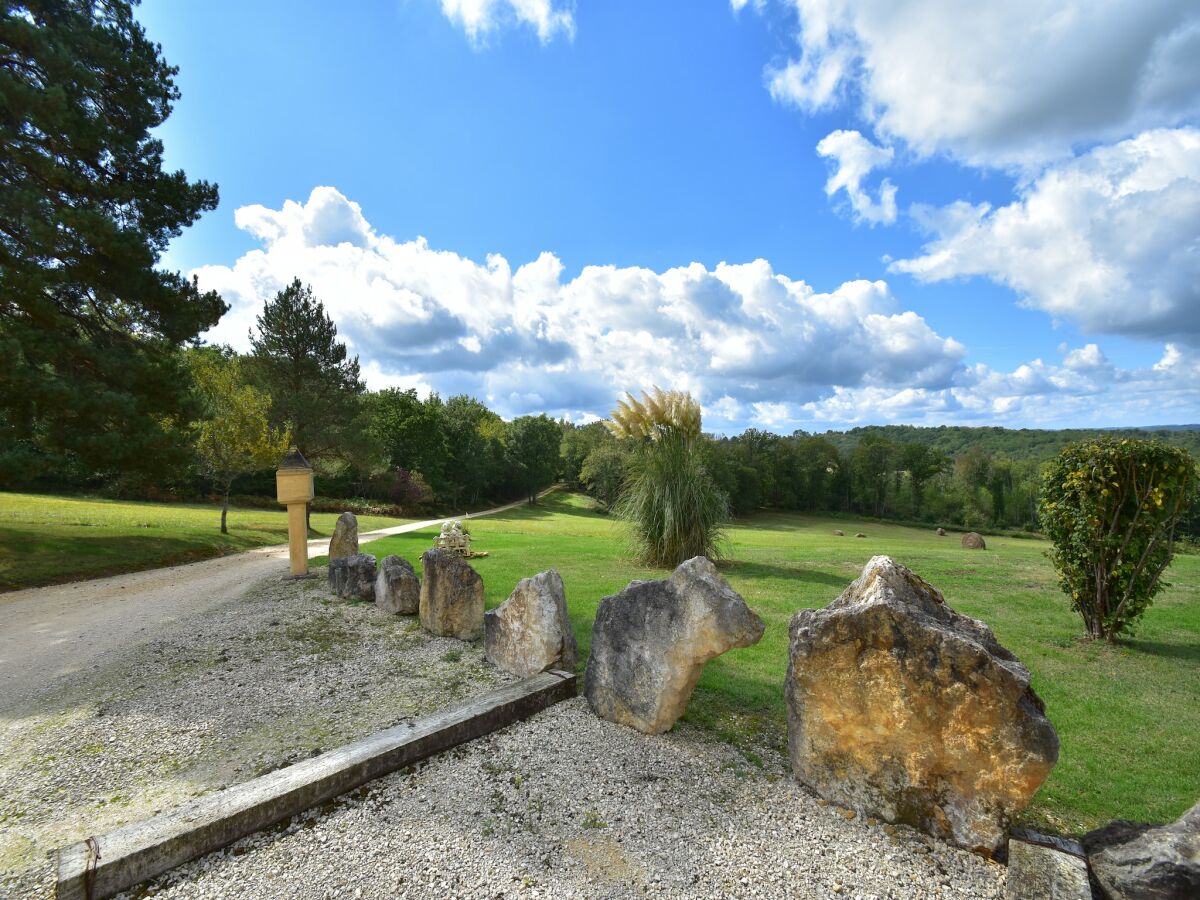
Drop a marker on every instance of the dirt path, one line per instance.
(63, 629)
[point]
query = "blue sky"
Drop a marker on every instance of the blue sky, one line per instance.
(546, 203)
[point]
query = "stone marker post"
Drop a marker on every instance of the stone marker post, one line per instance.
(294, 486)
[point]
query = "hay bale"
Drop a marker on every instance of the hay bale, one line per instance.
(973, 541)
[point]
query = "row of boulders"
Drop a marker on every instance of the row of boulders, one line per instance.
(529, 633)
(898, 707)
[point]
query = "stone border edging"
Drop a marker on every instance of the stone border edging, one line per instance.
(142, 850)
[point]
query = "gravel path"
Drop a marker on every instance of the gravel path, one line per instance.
(64, 629)
(256, 683)
(569, 806)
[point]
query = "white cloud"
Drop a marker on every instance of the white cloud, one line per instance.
(1110, 240)
(480, 18)
(1084, 390)
(530, 339)
(754, 346)
(855, 158)
(1021, 83)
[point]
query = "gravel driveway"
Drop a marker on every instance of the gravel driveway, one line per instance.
(252, 684)
(58, 630)
(568, 806)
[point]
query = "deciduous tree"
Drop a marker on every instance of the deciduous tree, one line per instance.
(1111, 508)
(603, 472)
(235, 437)
(532, 444)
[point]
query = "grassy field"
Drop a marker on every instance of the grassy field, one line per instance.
(47, 539)
(1128, 716)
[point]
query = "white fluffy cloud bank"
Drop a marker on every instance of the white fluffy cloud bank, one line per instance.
(1021, 83)
(481, 18)
(754, 346)
(1110, 240)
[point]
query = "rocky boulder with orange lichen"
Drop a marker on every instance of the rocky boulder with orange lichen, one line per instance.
(901, 708)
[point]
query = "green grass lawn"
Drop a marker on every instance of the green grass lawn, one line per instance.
(48, 539)
(1128, 716)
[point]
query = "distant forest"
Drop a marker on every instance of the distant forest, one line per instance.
(1011, 443)
(983, 478)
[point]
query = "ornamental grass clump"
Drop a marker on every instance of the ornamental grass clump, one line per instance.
(673, 506)
(1111, 508)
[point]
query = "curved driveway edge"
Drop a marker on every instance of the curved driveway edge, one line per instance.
(60, 629)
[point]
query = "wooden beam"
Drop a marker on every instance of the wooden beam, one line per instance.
(142, 850)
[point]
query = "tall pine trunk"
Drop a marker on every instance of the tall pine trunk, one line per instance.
(225, 507)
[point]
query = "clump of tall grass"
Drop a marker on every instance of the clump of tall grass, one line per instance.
(673, 506)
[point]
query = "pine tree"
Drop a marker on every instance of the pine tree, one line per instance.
(90, 328)
(313, 383)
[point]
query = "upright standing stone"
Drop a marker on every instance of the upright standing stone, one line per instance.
(1132, 861)
(530, 632)
(353, 577)
(901, 708)
(345, 537)
(397, 589)
(650, 643)
(451, 596)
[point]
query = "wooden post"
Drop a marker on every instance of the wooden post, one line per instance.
(298, 538)
(294, 486)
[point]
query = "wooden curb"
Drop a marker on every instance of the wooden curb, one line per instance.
(141, 850)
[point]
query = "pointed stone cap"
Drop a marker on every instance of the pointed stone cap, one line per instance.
(294, 459)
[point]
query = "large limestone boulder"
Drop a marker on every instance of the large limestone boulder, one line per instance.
(353, 577)
(1132, 862)
(345, 537)
(397, 589)
(530, 631)
(973, 541)
(451, 602)
(650, 643)
(899, 707)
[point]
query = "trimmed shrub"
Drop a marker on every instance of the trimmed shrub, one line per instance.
(1111, 508)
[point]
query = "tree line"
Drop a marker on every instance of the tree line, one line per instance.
(105, 384)
(299, 386)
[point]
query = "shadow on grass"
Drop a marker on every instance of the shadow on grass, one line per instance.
(61, 560)
(744, 569)
(552, 506)
(744, 708)
(1188, 652)
(803, 523)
